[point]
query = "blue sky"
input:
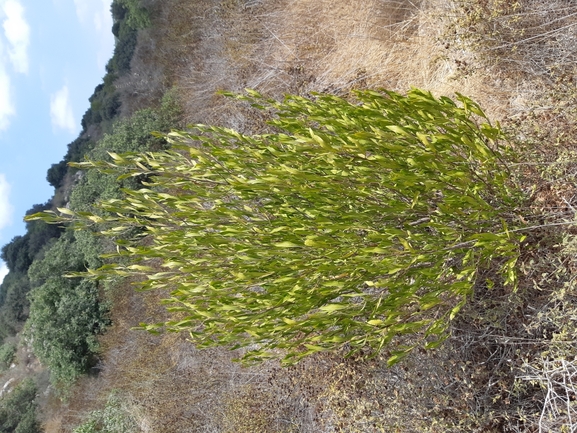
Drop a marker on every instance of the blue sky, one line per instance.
(52, 56)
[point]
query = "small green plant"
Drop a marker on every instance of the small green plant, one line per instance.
(354, 224)
(7, 352)
(114, 418)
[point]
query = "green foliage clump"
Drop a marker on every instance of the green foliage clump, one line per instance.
(13, 303)
(136, 16)
(38, 233)
(56, 172)
(18, 255)
(15, 254)
(18, 410)
(133, 134)
(129, 17)
(353, 225)
(105, 103)
(7, 352)
(65, 313)
(114, 418)
(123, 52)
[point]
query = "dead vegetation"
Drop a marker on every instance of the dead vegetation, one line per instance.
(509, 364)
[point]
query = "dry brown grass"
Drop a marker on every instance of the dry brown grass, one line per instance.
(300, 46)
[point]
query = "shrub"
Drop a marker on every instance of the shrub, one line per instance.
(131, 13)
(116, 29)
(7, 351)
(56, 173)
(353, 225)
(77, 149)
(87, 119)
(123, 51)
(132, 134)
(18, 409)
(65, 313)
(16, 254)
(114, 418)
(118, 10)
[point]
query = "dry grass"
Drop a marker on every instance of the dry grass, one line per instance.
(299, 46)
(532, 37)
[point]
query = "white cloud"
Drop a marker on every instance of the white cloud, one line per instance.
(6, 105)
(61, 110)
(6, 211)
(97, 13)
(3, 271)
(13, 50)
(103, 24)
(103, 17)
(83, 10)
(17, 33)
(5, 206)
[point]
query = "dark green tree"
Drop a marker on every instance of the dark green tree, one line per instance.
(18, 410)
(16, 255)
(65, 313)
(56, 173)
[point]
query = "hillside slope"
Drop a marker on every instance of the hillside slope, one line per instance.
(506, 363)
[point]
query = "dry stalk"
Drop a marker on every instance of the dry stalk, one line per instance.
(558, 378)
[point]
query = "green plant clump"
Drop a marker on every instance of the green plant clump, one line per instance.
(66, 314)
(7, 352)
(18, 409)
(354, 224)
(114, 418)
